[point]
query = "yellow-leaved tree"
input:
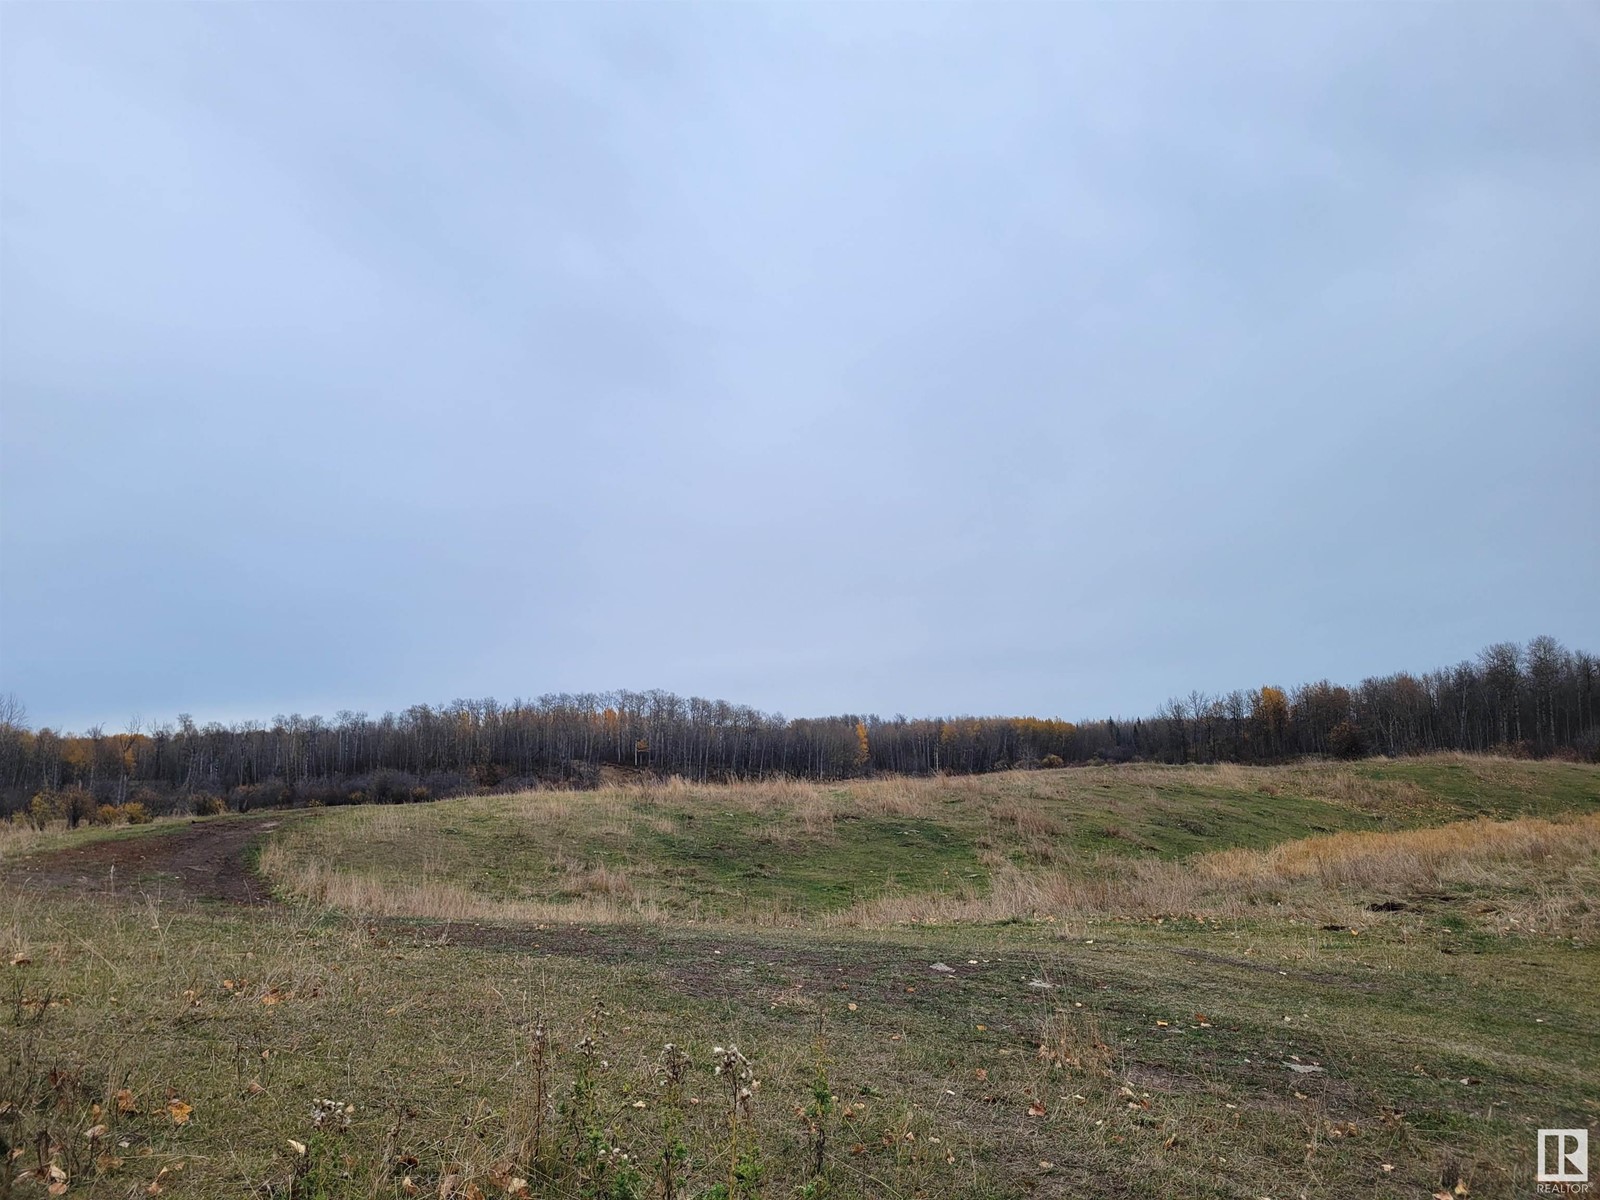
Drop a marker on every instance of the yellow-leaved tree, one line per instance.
(1269, 720)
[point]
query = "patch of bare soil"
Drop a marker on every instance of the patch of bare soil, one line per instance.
(725, 965)
(208, 860)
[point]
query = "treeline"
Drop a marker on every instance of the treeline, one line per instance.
(1535, 700)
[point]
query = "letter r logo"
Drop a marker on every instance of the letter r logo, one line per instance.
(1563, 1156)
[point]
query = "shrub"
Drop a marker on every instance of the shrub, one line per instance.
(388, 786)
(152, 800)
(1051, 761)
(135, 813)
(1346, 740)
(273, 793)
(442, 784)
(206, 804)
(108, 814)
(512, 784)
(72, 805)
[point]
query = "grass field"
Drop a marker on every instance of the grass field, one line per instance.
(1376, 979)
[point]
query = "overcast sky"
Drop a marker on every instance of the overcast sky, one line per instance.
(1047, 359)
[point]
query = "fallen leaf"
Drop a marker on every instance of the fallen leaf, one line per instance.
(179, 1111)
(447, 1186)
(408, 1187)
(20, 960)
(125, 1102)
(1036, 1109)
(983, 1074)
(298, 1147)
(95, 1132)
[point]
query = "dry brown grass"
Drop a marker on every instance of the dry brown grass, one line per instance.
(1028, 821)
(1348, 788)
(790, 808)
(601, 894)
(1408, 858)
(811, 806)
(1330, 783)
(588, 880)
(1074, 1041)
(1544, 875)
(21, 837)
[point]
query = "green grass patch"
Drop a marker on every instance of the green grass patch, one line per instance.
(740, 856)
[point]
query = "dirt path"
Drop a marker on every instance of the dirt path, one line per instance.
(208, 860)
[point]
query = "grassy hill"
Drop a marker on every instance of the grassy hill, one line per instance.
(789, 852)
(1325, 980)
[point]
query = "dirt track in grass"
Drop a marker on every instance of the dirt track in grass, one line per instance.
(717, 964)
(208, 860)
